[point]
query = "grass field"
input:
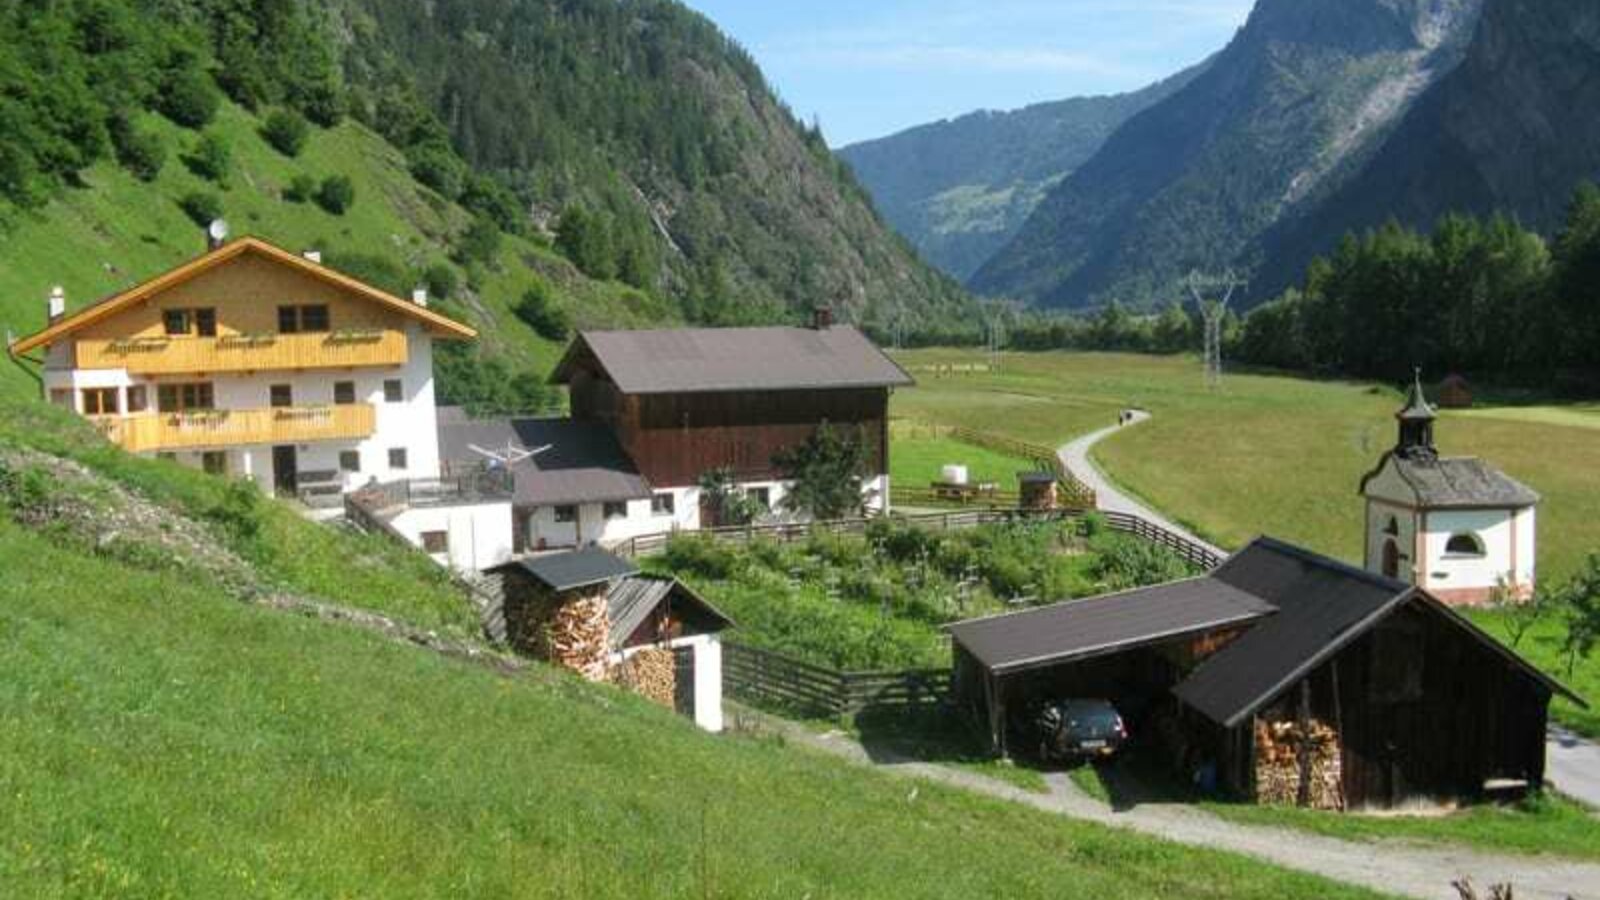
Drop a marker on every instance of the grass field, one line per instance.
(1264, 455)
(157, 740)
(917, 456)
(1542, 645)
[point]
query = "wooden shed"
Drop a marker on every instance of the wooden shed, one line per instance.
(1455, 392)
(1297, 679)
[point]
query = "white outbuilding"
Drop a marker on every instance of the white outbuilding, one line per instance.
(1455, 526)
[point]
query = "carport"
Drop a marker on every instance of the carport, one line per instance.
(1130, 648)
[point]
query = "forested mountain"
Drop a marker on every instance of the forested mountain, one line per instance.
(1296, 106)
(654, 147)
(960, 189)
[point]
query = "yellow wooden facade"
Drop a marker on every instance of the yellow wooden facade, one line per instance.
(152, 432)
(163, 355)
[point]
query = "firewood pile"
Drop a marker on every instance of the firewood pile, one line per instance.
(1278, 747)
(578, 637)
(651, 673)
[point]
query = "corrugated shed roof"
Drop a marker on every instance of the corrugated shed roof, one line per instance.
(1463, 482)
(1083, 628)
(632, 600)
(1322, 605)
(578, 462)
(577, 569)
(694, 360)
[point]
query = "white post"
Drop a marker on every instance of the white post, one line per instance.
(708, 683)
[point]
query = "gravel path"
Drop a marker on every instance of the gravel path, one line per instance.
(1402, 868)
(1572, 763)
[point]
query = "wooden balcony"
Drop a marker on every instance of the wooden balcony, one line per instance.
(244, 352)
(149, 432)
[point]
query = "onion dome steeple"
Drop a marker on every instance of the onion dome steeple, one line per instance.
(1416, 424)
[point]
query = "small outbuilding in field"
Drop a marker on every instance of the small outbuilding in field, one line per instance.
(595, 614)
(1283, 676)
(1455, 392)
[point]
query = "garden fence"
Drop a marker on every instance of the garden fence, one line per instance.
(766, 678)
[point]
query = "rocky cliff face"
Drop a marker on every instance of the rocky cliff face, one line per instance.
(960, 189)
(1510, 129)
(1292, 109)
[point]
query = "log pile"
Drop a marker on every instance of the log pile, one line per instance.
(1278, 746)
(578, 637)
(652, 674)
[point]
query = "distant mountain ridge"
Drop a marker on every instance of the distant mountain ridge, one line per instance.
(959, 189)
(1295, 107)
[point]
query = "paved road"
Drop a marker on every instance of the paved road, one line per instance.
(1075, 456)
(1403, 868)
(1572, 763)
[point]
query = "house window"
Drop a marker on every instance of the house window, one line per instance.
(393, 391)
(61, 397)
(349, 460)
(205, 322)
(314, 318)
(174, 398)
(616, 509)
(100, 401)
(762, 497)
(214, 462)
(436, 541)
(1464, 545)
(138, 398)
(175, 322)
(282, 395)
(344, 392)
(566, 514)
(288, 319)
(397, 457)
(663, 505)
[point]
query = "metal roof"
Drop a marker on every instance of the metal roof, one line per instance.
(632, 600)
(1078, 629)
(703, 360)
(1463, 482)
(577, 569)
(577, 462)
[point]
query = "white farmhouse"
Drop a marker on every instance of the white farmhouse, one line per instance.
(1454, 526)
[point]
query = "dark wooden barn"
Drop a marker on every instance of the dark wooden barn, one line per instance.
(683, 402)
(1286, 676)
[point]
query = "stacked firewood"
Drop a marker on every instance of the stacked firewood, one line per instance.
(1278, 763)
(651, 673)
(578, 637)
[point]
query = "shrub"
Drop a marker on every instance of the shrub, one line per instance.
(188, 97)
(479, 243)
(286, 130)
(1125, 562)
(437, 166)
(337, 194)
(301, 189)
(701, 555)
(139, 150)
(441, 281)
(211, 158)
(539, 310)
(238, 511)
(202, 207)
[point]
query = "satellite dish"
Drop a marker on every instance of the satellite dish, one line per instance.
(218, 229)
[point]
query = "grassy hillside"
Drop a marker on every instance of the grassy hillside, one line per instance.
(159, 738)
(115, 230)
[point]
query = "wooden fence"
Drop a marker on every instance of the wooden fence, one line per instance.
(766, 678)
(1197, 554)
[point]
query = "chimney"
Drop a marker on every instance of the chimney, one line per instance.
(58, 304)
(313, 255)
(822, 318)
(419, 296)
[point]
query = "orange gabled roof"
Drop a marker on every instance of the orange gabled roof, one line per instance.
(114, 304)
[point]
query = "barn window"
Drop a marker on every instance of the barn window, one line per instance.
(1464, 544)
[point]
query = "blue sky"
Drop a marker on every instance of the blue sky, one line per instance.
(868, 68)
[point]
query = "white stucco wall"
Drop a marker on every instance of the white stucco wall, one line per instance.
(1378, 516)
(1493, 528)
(480, 534)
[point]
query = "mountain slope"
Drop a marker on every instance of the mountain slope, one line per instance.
(643, 116)
(960, 189)
(1504, 132)
(1298, 101)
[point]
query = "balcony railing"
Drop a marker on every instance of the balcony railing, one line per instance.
(227, 428)
(163, 355)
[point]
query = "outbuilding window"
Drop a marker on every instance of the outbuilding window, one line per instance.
(1464, 545)
(436, 542)
(566, 514)
(616, 509)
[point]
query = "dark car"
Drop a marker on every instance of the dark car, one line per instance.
(1078, 729)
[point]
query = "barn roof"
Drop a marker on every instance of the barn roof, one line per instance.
(704, 360)
(633, 599)
(441, 326)
(577, 462)
(1323, 605)
(570, 571)
(1079, 629)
